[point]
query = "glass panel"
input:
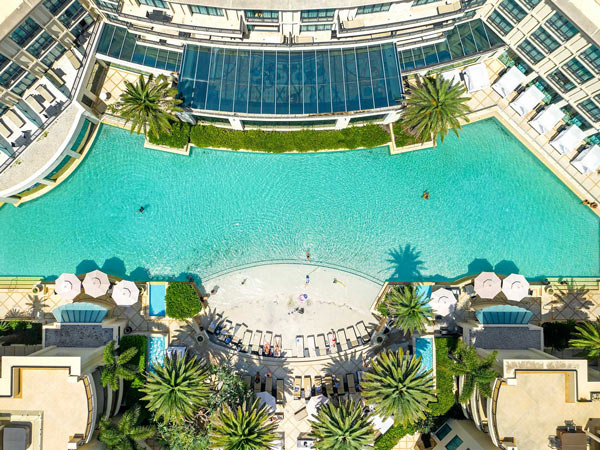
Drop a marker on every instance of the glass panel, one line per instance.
(466, 37)
(268, 94)
(545, 39)
(242, 76)
(530, 51)
(228, 85)
(255, 82)
(282, 94)
(513, 9)
(25, 32)
(592, 56)
(40, 44)
(562, 26)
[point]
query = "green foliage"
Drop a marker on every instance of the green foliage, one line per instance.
(178, 137)
(478, 372)
(388, 440)
(401, 137)
(367, 136)
(445, 398)
(132, 388)
(408, 310)
(182, 436)
(342, 427)
(176, 391)
(246, 427)
(21, 332)
(127, 433)
(558, 334)
(117, 366)
(396, 386)
(229, 389)
(587, 339)
(434, 106)
(149, 105)
(182, 301)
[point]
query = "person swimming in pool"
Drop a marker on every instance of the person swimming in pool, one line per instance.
(308, 254)
(141, 210)
(425, 195)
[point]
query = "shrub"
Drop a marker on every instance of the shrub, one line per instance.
(391, 437)
(182, 301)
(444, 378)
(177, 138)
(139, 360)
(558, 334)
(288, 141)
(401, 137)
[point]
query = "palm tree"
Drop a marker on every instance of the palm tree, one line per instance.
(433, 107)
(396, 385)
(409, 311)
(587, 339)
(477, 372)
(342, 427)
(177, 390)
(116, 366)
(125, 435)
(247, 427)
(149, 105)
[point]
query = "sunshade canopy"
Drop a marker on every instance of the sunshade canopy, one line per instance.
(68, 286)
(487, 285)
(125, 293)
(96, 283)
(515, 287)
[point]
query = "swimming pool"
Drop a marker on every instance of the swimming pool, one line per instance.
(493, 205)
(156, 351)
(156, 299)
(424, 347)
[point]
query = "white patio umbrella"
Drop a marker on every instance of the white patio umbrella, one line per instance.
(487, 285)
(268, 400)
(443, 302)
(96, 283)
(315, 403)
(125, 293)
(515, 287)
(68, 286)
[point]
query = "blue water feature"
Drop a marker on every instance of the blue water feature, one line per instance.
(156, 351)
(492, 205)
(156, 299)
(424, 348)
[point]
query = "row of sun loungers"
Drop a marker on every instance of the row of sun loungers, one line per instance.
(257, 386)
(328, 385)
(342, 340)
(263, 344)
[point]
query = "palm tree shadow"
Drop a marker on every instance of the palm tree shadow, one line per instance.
(35, 307)
(570, 300)
(406, 264)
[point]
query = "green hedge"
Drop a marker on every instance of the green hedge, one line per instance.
(558, 334)
(182, 301)
(388, 440)
(177, 138)
(401, 138)
(444, 378)
(132, 387)
(367, 136)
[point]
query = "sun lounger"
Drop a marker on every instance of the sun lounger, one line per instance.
(238, 334)
(362, 331)
(332, 340)
(321, 344)
(212, 326)
(277, 346)
(318, 385)
(312, 351)
(329, 386)
(588, 160)
(352, 336)
(547, 119)
(476, 77)
(508, 82)
(280, 392)
(301, 414)
(256, 342)
(307, 387)
(299, 346)
(14, 118)
(269, 384)
(528, 100)
(340, 386)
(257, 383)
(267, 343)
(359, 377)
(297, 387)
(34, 104)
(246, 341)
(568, 139)
(5, 131)
(247, 380)
(453, 76)
(351, 385)
(43, 91)
(342, 339)
(224, 331)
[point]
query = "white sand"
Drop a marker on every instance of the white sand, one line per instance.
(271, 292)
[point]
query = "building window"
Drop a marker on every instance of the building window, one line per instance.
(111, 5)
(316, 27)
(24, 84)
(530, 51)
(317, 15)
(423, 2)
(262, 16)
(592, 56)
(545, 39)
(11, 73)
(550, 95)
(512, 8)
(578, 70)
(472, 3)
(3, 61)
(591, 108)
(562, 26)
(561, 80)
(531, 3)
(371, 9)
(25, 32)
(443, 431)
(154, 3)
(206, 10)
(55, 6)
(41, 43)
(81, 26)
(454, 443)
(71, 14)
(501, 23)
(55, 52)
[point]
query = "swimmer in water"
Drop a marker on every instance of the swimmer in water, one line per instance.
(141, 210)
(308, 254)
(425, 195)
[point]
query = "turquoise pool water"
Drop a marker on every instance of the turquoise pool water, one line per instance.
(156, 351)
(424, 349)
(492, 205)
(156, 299)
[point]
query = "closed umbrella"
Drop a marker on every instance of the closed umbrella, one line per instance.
(96, 283)
(125, 293)
(268, 400)
(515, 287)
(443, 302)
(68, 286)
(315, 403)
(487, 285)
